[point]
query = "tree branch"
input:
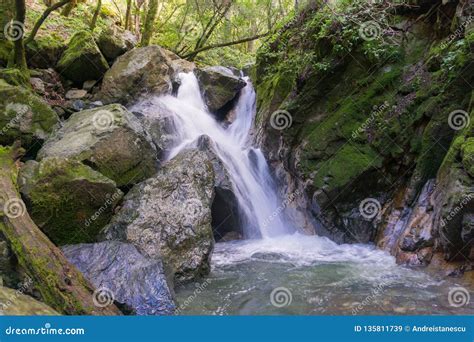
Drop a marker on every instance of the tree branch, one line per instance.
(41, 20)
(213, 46)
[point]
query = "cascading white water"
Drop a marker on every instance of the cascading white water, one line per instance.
(246, 165)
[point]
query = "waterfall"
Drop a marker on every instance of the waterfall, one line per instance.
(247, 168)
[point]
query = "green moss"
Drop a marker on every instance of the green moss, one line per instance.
(467, 151)
(350, 162)
(65, 196)
(24, 116)
(15, 77)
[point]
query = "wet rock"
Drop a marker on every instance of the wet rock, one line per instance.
(219, 86)
(69, 201)
(24, 116)
(109, 139)
(15, 303)
(114, 42)
(225, 207)
(76, 94)
(138, 282)
(82, 60)
(270, 256)
(168, 216)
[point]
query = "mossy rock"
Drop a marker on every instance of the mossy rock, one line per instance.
(16, 303)
(82, 60)
(68, 200)
(110, 139)
(44, 52)
(15, 77)
(24, 116)
(114, 42)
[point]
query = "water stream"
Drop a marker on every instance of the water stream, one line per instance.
(277, 271)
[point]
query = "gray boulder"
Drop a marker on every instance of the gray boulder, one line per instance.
(138, 282)
(168, 217)
(114, 42)
(141, 71)
(110, 139)
(219, 86)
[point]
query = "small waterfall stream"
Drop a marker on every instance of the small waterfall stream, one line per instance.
(275, 270)
(247, 167)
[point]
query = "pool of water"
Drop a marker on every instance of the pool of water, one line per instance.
(301, 275)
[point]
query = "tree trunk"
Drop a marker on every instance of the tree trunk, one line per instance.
(68, 9)
(96, 15)
(149, 22)
(60, 284)
(128, 15)
(19, 56)
(6, 15)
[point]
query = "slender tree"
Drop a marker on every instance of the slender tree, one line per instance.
(68, 9)
(128, 15)
(149, 22)
(19, 56)
(96, 15)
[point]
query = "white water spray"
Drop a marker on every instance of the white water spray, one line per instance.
(247, 167)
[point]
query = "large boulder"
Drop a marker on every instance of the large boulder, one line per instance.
(168, 217)
(82, 60)
(140, 71)
(69, 201)
(454, 199)
(24, 116)
(110, 139)
(114, 42)
(219, 86)
(15, 303)
(124, 275)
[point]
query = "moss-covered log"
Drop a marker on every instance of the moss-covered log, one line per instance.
(60, 284)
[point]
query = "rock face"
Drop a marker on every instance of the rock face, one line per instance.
(225, 207)
(168, 217)
(82, 60)
(125, 275)
(114, 42)
(15, 303)
(109, 139)
(69, 201)
(141, 71)
(360, 138)
(219, 86)
(24, 116)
